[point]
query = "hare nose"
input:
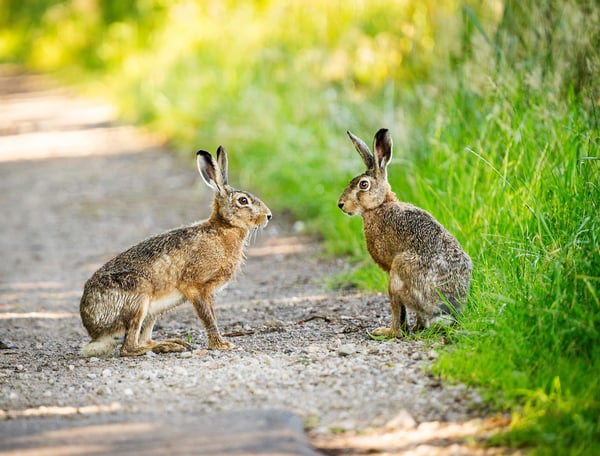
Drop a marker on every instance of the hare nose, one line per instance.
(269, 216)
(341, 205)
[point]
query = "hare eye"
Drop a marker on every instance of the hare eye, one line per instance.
(364, 184)
(243, 200)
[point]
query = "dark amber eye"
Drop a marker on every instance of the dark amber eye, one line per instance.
(243, 200)
(364, 184)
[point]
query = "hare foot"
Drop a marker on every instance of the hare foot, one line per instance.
(216, 343)
(181, 342)
(135, 351)
(387, 332)
(167, 346)
(171, 346)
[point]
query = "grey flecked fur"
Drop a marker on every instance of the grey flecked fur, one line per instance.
(429, 272)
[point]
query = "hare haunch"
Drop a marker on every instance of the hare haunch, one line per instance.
(127, 294)
(429, 272)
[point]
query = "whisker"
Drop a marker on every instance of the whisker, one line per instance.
(258, 232)
(252, 236)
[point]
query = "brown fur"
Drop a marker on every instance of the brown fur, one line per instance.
(429, 273)
(127, 294)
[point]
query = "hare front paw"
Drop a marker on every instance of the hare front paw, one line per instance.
(215, 343)
(388, 333)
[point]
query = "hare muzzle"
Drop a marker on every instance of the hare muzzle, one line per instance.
(264, 216)
(347, 205)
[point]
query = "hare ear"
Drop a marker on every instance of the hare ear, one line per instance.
(382, 144)
(209, 170)
(363, 150)
(222, 161)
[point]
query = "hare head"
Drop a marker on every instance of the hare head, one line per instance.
(371, 188)
(234, 207)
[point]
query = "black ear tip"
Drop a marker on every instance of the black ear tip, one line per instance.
(202, 152)
(383, 137)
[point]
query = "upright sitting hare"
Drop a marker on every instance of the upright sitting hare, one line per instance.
(127, 294)
(428, 270)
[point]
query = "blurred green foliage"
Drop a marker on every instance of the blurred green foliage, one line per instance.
(493, 106)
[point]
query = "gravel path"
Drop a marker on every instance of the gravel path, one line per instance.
(76, 188)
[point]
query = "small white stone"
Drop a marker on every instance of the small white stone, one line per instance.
(103, 391)
(274, 324)
(298, 226)
(186, 354)
(403, 420)
(128, 392)
(106, 373)
(150, 375)
(180, 370)
(71, 367)
(346, 350)
(313, 349)
(347, 425)
(211, 400)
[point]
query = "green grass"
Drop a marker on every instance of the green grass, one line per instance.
(531, 333)
(495, 117)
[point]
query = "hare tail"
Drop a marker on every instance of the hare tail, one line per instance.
(99, 347)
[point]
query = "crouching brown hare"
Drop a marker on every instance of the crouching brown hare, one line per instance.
(127, 294)
(429, 272)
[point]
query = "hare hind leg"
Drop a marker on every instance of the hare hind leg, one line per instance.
(156, 308)
(146, 343)
(139, 306)
(169, 345)
(446, 313)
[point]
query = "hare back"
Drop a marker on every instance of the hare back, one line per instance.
(156, 273)
(400, 228)
(195, 254)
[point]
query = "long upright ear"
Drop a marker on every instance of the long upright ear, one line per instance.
(363, 150)
(222, 161)
(209, 170)
(382, 144)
